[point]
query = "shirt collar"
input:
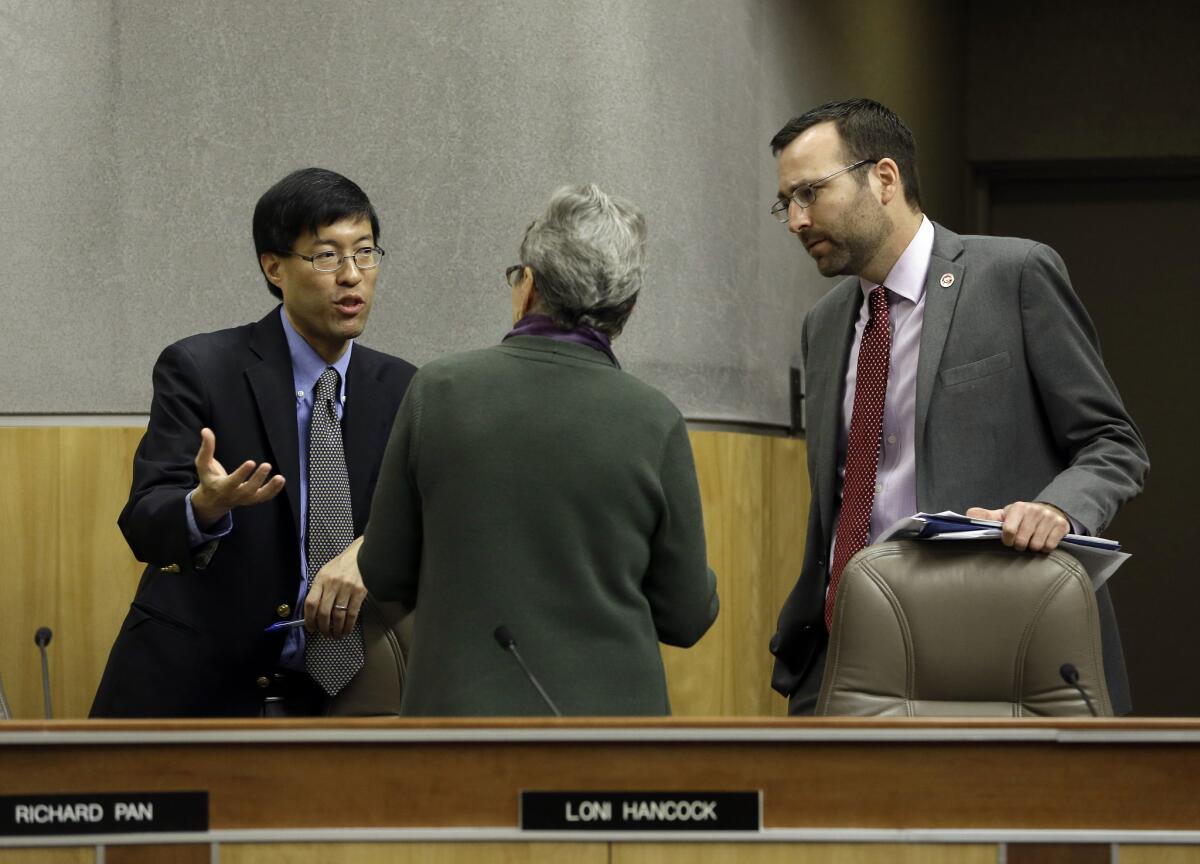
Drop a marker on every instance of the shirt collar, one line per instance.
(308, 365)
(907, 276)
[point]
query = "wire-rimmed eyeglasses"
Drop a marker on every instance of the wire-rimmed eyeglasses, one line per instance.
(803, 196)
(330, 262)
(512, 275)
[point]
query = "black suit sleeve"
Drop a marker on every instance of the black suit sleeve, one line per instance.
(154, 520)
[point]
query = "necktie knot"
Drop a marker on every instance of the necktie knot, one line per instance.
(878, 303)
(327, 385)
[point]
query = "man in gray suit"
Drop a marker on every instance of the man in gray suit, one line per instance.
(983, 387)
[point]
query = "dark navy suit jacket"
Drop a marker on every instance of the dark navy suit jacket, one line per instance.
(193, 642)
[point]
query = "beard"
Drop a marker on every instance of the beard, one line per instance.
(855, 239)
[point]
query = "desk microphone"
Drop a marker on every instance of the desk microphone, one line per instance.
(5, 710)
(1071, 675)
(42, 638)
(506, 640)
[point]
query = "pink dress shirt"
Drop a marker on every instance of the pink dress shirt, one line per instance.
(896, 479)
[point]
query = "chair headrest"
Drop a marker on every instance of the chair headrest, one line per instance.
(966, 628)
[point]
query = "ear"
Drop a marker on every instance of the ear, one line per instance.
(272, 267)
(524, 296)
(890, 185)
(532, 298)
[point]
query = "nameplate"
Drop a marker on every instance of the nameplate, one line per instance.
(641, 811)
(102, 813)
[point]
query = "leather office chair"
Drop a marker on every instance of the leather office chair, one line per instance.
(378, 686)
(962, 628)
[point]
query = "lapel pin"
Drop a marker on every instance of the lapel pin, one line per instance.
(947, 280)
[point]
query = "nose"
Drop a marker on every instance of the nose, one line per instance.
(798, 218)
(348, 273)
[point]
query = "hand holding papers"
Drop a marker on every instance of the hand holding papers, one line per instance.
(1100, 557)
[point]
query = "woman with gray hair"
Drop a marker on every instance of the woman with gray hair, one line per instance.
(534, 491)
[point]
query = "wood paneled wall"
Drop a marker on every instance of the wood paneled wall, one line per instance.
(63, 562)
(755, 494)
(65, 565)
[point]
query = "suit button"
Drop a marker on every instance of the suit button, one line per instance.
(263, 681)
(283, 610)
(170, 568)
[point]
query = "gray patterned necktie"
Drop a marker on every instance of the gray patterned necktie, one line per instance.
(330, 662)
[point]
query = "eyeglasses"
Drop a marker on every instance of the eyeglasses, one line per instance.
(365, 258)
(513, 274)
(804, 196)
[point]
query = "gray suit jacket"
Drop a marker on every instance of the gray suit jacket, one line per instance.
(1013, 404)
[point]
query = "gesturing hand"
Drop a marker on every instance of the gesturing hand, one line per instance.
(1028, 525)
(219, 492)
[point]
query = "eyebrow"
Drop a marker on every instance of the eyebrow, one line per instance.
(804, 182)
(321, 241)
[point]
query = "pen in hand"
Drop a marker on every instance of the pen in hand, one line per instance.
(284, 625)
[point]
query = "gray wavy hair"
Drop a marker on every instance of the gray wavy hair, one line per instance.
(587, 255)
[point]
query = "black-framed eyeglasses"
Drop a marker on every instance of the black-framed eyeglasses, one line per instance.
(512, 275)
(365, 258)
(804, 196)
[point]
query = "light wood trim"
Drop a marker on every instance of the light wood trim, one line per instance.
(415, 853)
(61, 489)
(1130, 854)
(809, 853)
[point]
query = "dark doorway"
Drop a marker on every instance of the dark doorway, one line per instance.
(1131, 245)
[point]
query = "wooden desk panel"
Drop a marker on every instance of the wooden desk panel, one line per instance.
(417, 853)
(910, 774)
(813, 853)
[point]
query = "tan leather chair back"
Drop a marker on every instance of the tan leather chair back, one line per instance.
(376, 689)
(963, 628)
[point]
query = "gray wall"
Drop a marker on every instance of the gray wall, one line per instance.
(138, 136)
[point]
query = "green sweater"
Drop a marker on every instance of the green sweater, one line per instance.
(535, 485)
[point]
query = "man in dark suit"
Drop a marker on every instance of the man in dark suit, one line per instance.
(946, 373)
(228, 555)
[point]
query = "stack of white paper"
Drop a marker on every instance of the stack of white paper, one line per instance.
(1100, 557)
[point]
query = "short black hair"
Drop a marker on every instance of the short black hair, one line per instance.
(868, 130)
(306, 201)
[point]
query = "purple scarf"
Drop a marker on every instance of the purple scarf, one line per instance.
(534, 324)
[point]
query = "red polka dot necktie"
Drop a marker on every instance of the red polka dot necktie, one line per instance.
(330, 662)
(862, 447)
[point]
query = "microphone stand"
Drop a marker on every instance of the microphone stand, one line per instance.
(42, 639)
(508, 642)
(5, 709)
(1071, 675)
